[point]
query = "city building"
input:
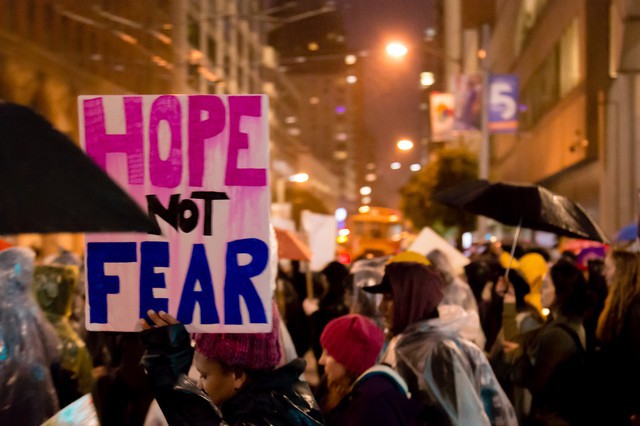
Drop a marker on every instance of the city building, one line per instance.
(576, 126)
(51, 52)
(313, 50)
(558, 49)
(620, 155)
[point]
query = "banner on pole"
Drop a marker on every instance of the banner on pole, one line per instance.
(503, 103)
(441, 108)
(198, 164)
(468, 102)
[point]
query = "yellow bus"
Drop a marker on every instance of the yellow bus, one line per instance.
(375, 232)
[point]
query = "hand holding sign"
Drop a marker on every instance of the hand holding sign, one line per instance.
(159, 319)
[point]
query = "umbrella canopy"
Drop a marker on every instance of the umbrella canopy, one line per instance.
(290, 246)
(627, 233)
(49, 185)
(530, 206)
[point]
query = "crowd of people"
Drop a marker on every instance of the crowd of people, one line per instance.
(530, 338)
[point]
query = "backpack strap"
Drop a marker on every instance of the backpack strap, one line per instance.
(572, 333)
(390, 373)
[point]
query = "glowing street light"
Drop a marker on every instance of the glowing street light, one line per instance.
(396, 50)
(350, 59)
(427, 79)
(395, 166)
(404, 144)
(299, 178)
(415, 167)
(365, 190)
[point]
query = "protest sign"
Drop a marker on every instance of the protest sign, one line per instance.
(198, 164)
(321, 230)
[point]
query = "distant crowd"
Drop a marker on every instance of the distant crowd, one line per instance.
(534, 338)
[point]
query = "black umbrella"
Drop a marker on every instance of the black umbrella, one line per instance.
(48, 184)
(529, 206)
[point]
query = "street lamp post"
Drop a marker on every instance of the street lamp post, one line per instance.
(483, 160)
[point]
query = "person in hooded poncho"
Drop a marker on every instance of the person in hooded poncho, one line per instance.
(448, 374)
(29, 345)
(54, 288)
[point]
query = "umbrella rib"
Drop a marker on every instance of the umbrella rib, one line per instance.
(513, 247)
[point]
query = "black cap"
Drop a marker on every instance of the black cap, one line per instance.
(384, 287)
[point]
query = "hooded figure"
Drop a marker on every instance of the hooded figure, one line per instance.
(54, 287)
(448, 374)
(457, 295)
(533, 269)
(28, 345)
(456, 291)
(365, 273)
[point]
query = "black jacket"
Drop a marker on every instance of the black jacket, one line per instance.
(277, 397)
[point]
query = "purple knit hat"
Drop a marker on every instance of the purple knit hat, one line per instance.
(252, 351)
(354, 341)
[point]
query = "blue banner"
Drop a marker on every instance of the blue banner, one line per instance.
(503, 103)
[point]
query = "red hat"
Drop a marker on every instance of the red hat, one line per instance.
(354, 341)
(251, 351)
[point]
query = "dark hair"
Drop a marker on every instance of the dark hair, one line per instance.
(478, 273)
(571, 289)
(335, 274)
(568, 255)
(520, 288)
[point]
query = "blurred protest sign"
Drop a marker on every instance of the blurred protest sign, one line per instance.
(81, 412)
(321, 230)
(428, 240)
(198, 165)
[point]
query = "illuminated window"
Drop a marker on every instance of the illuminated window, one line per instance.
(570, 58)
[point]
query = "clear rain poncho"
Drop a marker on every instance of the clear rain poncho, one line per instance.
(450, 373)
(366, 273)
(54, 288)
(28, 345)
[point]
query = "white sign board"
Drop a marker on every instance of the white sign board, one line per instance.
(198, 164)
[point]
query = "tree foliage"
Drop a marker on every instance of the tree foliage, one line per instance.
(451, 167)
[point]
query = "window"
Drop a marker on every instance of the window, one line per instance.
(570, 58)
(211, 50)
(555, 78)
(541, 92)
(194, 33)
(530, 12)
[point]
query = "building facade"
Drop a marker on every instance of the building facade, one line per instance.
(52, 51)
(313, 47)
(619, 109)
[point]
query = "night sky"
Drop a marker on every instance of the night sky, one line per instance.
(391, 86)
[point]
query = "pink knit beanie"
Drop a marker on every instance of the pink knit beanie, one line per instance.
(252, 351)
(354, 341)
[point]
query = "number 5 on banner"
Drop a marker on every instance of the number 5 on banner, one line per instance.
(503, 103)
